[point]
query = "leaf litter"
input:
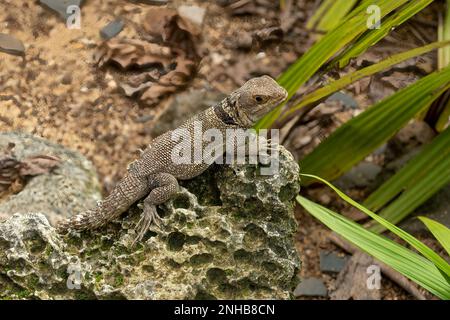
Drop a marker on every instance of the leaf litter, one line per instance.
(162, 62)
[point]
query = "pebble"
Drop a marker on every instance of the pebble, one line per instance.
(67, 79)
(261, 55)
(112, 29)
(11, 45)
(311, 287)
(331, 262)
(112, 84)
(325, 199)
(217, 58)
(88, 42)
(346, 99)
(244, 40)
(60, 6)
(361, 175)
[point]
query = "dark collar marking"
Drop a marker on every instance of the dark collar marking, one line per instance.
(223, 115)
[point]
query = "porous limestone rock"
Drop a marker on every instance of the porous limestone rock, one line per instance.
(70, 188)
(228, 234)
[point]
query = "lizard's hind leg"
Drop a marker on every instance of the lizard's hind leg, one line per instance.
(163, 187)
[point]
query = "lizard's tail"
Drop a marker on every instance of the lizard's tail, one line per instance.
(125, 193)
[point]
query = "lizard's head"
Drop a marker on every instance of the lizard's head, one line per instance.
(256, 98)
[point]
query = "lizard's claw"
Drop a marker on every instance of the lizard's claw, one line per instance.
(149, 216)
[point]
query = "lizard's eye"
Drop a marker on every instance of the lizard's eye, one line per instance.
(260, 99)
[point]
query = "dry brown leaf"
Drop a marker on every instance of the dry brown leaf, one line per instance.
(180, 75)
(40, 164)
(170, 82)
(159, 22)
(130, 53)
(13, 173)
(269, 34)
(166, 26)
(164, 23)
(159, 68)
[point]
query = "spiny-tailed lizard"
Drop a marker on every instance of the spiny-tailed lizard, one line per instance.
(155, 175)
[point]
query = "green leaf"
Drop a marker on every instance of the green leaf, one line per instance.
(318, 14)
(337, 85)
(444, 34)
(419, 246)
(306, 66)
(407, 262)
(416, 182)
(334, 14)
(440, 232)
(444, 61)
(444, 118)
(371, 37)
(360, 136)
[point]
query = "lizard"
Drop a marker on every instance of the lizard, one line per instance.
(154, 176)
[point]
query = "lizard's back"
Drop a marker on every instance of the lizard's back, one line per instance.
(163, 155)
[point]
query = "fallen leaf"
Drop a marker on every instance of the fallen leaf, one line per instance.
(129, 53)
(13, 172)
(161, 63)
(269, 34)
(40, 164)
(170, 82)
(158, 22)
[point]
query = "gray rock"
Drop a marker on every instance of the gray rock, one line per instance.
(60, 6)
(361, 175)
(72, 187)
(11, 45)
(244, 40)
(311, 287)
(346, 99)
(112, 29)
(228, 234)
(331, 262)
(67, 78)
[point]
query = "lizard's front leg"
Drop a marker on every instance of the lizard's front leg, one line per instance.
(163, 186)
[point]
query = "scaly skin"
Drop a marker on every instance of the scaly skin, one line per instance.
(155, 175)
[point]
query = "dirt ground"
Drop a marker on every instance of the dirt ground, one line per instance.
(57, 91)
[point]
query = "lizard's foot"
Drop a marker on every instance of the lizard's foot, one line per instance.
(149, 216)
